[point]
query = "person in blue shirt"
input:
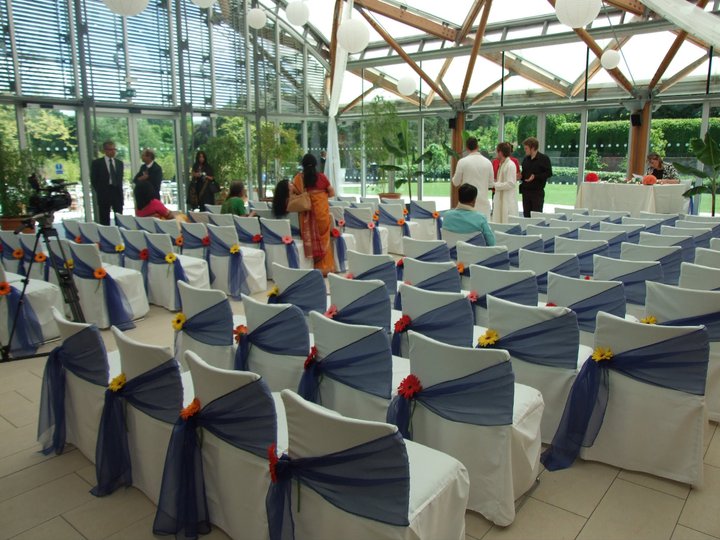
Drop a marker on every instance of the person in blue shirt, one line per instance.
(465, 219)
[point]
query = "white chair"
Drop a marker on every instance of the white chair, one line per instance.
(112, 247)
(614, 216)
(546, 354)
(565, 264)
(696, 276)
(685, 242)
(507, 228)
(260, 205)
(707, 257)
(347, 198)
(370, 200)
(31, 332)
(518, 286)
(146, 224)
(358, 301)
(221, 220)
(701, 219)
(171, 227)
(489, 256)
(632, 274)
(569, 211)
(279, 342)
(593, 221)
(363, 266)
(12, 258)
(101, 297)
(280, 247)
(39, 261)
(613, 239)
(89, 232)
(59, 251)
(199, 217)
(195, 239)
(667, 219)
(715, 244)
(72, 229)
(675, 306)
(651, 225)
(701, 236)
(524, 222)
(573, 225)
(632, 231)
(452, 238)
(586, 298)
(426, 250)
(500, 445)
(515, 242)
(213, 208)
(265, 214)
(369, 238)
(314, 431)
(163, 275)
(248, 277)
(126, 222)
(210, 335)
(248, 231)
(584, 249)
(394, 218)
(134, 242)
(428, 220)
(432, 276)
(301, 287)
(548, 234)
(714, 227)
(546, 215)
(669, 256)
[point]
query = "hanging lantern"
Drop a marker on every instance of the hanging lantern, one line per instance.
(297, 13)
(610, 59)
(577, 13)
(353, 35)
(204, 4)
(128, 8)
(256, 18)
(407, 86)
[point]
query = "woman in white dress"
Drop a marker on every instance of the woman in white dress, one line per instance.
(505, 202)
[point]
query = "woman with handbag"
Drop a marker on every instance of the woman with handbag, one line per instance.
(309, 194)
(202, 187)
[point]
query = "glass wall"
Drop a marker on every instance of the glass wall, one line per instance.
(436, 177)
(714, 125)
(158, 135)
(517, 129)
(562, 146)
(608, 132)
(115, 128)
(672, 128)
(350, 147)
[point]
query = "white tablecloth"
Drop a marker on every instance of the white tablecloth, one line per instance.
(634, 198)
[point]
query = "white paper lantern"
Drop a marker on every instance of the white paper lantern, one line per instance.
(610, 59)
(407, 86)
(256, 18)
(128, 8)
(297, 13)
(204, 4)
(353, 35)
(577, 13)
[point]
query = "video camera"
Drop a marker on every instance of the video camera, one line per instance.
(49, 198)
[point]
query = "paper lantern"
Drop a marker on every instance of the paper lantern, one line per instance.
(577, 13)
(204, 4)
(256, 18)
(297, 13)
(591, 177)
(353, 35)
(649, 180)
(407, 86)
(610, 59)
(128, 8)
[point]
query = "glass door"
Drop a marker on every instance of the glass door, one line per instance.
(115, 128)
(158, 135)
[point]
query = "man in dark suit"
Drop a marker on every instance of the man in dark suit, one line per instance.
(150, 171)
(106, 177)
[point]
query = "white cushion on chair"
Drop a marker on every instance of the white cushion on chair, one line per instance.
(696, 276)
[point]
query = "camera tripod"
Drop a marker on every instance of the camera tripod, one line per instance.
(64, 278)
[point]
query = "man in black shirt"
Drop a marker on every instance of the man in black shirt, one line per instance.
(536, 169)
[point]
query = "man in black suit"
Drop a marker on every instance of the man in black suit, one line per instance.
(150, 171)
(106, 177)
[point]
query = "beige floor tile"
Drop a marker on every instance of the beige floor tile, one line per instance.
(683, 533)
(539, 521)
(710, 429)
(712, 454)
(57, 529)
(677, 489)
(701, 509)
(18, 439)
(631, 511)
(103, 516)
(21, 460)
(577, 489)
(87, 473)
(142, 530)
(5, 425)
(41, 504)
(17, 409)
(32, 477)
(476, 526)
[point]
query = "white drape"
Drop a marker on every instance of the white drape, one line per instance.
(695, 21)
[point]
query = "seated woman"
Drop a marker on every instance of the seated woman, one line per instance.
(235, 203)
(664, 172)
(281, 196)
(146, 203)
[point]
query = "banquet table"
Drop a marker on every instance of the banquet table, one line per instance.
(633, 198)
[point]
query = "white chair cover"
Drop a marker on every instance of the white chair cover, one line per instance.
(126, 222)
(632, 230)
(59, 248)
(348, 198)
(89, 231)
(438, 483)
(213, 208)
(221, 220)
(565, 264)
(669, 256)
(137, 240)
(72, 228)
(168, 226)
(490, 256)
(10, 242)
(146, 224)
(360, 263)
(199, 217)
(696, 276)
(502, 461)
(253, 261)
(614, 215)
(524, 222)
(415, 249)
(278, 253)
(715, 244)
(452, 239)
(426, 227)
(363, 237)
(593, 220)
(707, 257)
(548, 234)
(573, 225)
(27, 243)
(110, 235)
(668, 219)
(584, 249)
(701, 236)
(651, 225)
(643, 422)
(701, 219)
(285, 277)
(685, 242)
(685, 224)
(613, 238)
(395, 233)
(198, 230)
(544, 215)
(484, 281)
(515, 242)
(417, 272)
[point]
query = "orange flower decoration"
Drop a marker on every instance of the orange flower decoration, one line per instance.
(240, 330)
(179, 241)
(18, 253)
(410, 386)
(191, 410)
(436, 215)
(405, 212)
(401, 222)
(331, 312)
(461, 268)
(78, 239)
(4, 288)
(100, 273)
(40, 257)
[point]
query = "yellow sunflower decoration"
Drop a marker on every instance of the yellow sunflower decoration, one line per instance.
(601, 354)
(170, 258)
(179, 321)
(489, 338)
(650, 319)
(274, 291)
(117, 383)
(234, 249)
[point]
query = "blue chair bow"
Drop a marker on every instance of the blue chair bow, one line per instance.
(634, 282)
(354, 222)
(106, 246)
(212, 326)
(308, 293)
(523, 292)
(418, 212)
(157, 256)
(270, 238)
(499, 261)
(237, 275)
(118, 307)
(371, 309)
(385, 272)
(537, 245)
(28, 332)
(477, 240)
(711, 322)
(585, 259)
(569, 268)
(133, 253)
(340, 251)
(451, 324)
(386, 218)
(190, 241)
(610, 301)
(446, 281)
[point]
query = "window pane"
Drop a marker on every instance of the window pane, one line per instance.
(608, 132)
(562, 146)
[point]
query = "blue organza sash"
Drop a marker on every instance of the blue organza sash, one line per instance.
(523, 292)
(133, 253)
(499, 261)
(237, 276)
(286, 334)
(385, 272)
(477, 240)
(244, 236)
(451, 324)
(190, 241)
(418, 212)
(371, 309)
(158, 257)
(27, 259)
(610, 301)
(484, 398)
(439, 253)
(7, 254)
(365, 365)
(614, 245)
(212, 326)
(354, 222)
(446, 281)
(106, 246)
(634, 282)
(386, 218)
(537, 245)
(671, 267)
(118, 307)
(84, 355)
(678, 363)
(585, 259)
(371, 480)
(552, 343)
(245, 419)
(28, 332)
(688, 249)
(568, 268)
(157, 393)
(308, 293)
(270, 238)
(711, 321)
(340, 251)
(703, 240)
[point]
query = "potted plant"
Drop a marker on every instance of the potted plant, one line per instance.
(407, 159)
(708, 153)
(15, 167)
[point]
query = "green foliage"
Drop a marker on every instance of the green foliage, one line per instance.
(15, 166)
(381, 121)
(658, 144)
(407, 159)
(593, 162)
(708, 153)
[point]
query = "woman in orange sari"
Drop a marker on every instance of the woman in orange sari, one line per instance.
(315, 224)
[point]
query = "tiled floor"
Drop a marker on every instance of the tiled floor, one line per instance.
(48, 497)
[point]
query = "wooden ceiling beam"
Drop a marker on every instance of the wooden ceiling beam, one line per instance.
(333, 39)
(468, 22)
(411, 19)
(476, 48)
(381, 81)
(595, 66)
(597, 50)
(355, 102)
(431, 94)
(527, 71)
(490, 89)
(631, 6)
(680, 75)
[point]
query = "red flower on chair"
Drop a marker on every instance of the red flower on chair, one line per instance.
(331, 312)
(335, 232)
(400, 262)
(371, 225)
(191, 410)
(436, 215)
(239, 332)
(402, 324)
(405, 212)
(257, 238)
(311, 358)
(401, 222)
(287, 240)
(179, 241)
(410, 386)
(473, 297)
(144, 254)
(100, 273)
(349, 276)
(550, 304)
(205, 241)
(78, 239)
(341, 222)
(4, 288)
(273, 459)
